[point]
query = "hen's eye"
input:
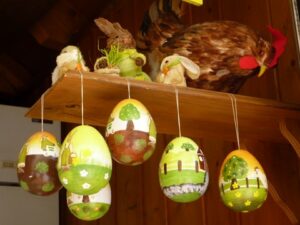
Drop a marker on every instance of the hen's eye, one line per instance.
(167, 61)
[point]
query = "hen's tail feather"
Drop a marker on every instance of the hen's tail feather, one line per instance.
(171, 6)
(158, 8)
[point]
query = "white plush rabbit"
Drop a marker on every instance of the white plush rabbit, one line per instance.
(174, 67)
(69, 59)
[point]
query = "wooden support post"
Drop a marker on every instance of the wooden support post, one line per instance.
(290, 129)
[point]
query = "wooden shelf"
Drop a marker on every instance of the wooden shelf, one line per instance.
(203, 113)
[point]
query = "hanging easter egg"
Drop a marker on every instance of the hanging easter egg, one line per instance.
(36, 167)
(131, 133)
(183, 171)
(90, 207)
(242, 182)
(84, 164)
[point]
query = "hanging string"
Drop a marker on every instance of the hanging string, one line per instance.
(42, 113)
(81, 91)
(178, 114)
(128, 88)
(235, 118)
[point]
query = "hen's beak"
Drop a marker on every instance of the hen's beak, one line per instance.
(263, 68)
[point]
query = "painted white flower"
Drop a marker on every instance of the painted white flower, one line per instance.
(84, 173)
(106, 176)
(65, 180)
(86, 186)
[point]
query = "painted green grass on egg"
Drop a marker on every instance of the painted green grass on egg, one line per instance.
(79, 176)
(245, 199)
(243, 183)
(186, 197)
(181, 177)
(89, 211)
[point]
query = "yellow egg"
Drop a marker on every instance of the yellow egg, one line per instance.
(36, 168)
(131, 133)
(90, 207)
(84, 164)
(242, 182)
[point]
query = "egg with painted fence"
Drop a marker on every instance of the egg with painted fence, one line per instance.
(242, 182)
(183, 171)
(36, 167)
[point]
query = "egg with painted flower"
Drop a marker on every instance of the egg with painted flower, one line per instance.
(84, 164)
(90, 207)
(242, 182)
(131, 133)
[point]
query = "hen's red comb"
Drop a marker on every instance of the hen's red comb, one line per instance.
(278, 44)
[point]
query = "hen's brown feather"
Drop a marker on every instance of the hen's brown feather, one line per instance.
(215, 46)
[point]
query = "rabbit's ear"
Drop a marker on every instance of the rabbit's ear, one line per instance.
(105, 26)
(192, 69)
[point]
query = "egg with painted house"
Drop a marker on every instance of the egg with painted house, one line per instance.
(84, 164)
(36, 168)
(131, 133)
(183, 171)
(242, 182)
(90, 207)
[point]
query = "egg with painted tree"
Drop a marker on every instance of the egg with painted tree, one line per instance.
(90, 207)
(242, 182)
(183, 171)
(131, 133)
(84, 164)
(36, 168)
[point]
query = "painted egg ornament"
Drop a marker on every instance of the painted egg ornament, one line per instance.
(183, 171)
(90, 207)
(84, 164)
(242, 182)
(36, 167)
(131, 133)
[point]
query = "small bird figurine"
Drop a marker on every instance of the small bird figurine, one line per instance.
(174, 68)
(227, 52)
(70, 58)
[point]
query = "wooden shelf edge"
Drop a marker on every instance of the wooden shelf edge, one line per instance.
(203, 113)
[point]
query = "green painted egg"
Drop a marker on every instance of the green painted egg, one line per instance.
(84, 164)
(90, 207)
(183, 171)
(242, 182)
(131, 133)
(36, 167)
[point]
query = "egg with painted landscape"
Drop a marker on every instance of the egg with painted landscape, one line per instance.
(242, 182)
(183, 171)
(84, 164)
(90, 207)
(131, 133)
(36, 168)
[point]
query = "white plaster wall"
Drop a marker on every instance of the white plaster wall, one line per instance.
(18, 207)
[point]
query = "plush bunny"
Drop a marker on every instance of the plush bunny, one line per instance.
(174, 68)
(70, 58)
